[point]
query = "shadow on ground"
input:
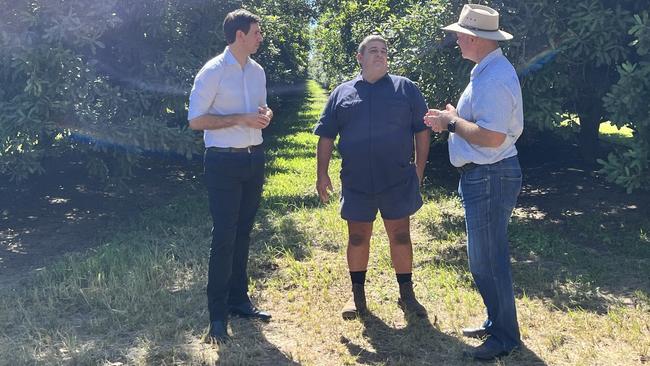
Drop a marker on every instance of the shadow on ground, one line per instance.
(418, 343)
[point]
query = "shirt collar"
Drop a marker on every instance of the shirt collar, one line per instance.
(484, 62)
(359, 78)
(230, 59)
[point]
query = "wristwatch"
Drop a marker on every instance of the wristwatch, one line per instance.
(451, 126)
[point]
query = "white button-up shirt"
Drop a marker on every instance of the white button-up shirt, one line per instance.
(223, 87)
(492, 100)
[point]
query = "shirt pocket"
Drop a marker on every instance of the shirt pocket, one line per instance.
(349, 109)
(398, 113)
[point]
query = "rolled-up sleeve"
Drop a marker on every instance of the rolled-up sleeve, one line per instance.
(203, 92)
(492, 105)
(327, 125)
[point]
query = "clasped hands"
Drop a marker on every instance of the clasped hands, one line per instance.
(258, 120)
(438, 119)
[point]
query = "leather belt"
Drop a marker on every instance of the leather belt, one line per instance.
(247, 149)
(467, 167)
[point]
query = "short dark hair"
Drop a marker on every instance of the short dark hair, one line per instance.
(370, 38)
(239, 19)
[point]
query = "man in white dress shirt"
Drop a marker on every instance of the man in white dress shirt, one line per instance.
(483, 131)
(228, 103)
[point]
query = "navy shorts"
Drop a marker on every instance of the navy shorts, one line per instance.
(394, 203)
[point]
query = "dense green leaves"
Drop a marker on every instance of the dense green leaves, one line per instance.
(110, 79)
(627, 103)
(567, 54)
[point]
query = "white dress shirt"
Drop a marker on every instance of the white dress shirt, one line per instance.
(492, 100)
(223, 87)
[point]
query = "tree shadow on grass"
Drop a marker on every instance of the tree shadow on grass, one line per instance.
(576, 240)
(419, 343)
(288, 118)
(545, 266)
(291, 150)
(279, 236)
(548, 265)
(290, 203)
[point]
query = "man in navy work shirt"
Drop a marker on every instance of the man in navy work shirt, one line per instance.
(228, 102)
(378, 118)
(483, 131)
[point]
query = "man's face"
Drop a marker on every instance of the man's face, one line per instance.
(253, 39)
(374, 58)
(467, 45)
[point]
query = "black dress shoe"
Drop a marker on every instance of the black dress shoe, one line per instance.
(489, 350)
(247, 310)
(218, 332)
(475, 332)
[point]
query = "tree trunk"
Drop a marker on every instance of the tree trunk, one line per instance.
(588, 137)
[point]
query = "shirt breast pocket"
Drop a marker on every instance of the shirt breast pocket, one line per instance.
(399, 113)
(349, 110)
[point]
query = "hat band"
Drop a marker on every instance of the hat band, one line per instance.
(477, 29)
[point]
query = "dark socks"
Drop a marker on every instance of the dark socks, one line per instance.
(403, 277)
(358, 277)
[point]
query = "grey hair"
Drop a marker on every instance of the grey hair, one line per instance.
(370, 38)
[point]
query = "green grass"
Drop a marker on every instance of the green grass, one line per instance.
(582, 292)
(607, 131)
(613, 134)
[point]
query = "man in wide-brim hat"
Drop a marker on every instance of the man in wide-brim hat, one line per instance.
(483, 130)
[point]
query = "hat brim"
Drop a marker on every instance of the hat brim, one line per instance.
(497, 35)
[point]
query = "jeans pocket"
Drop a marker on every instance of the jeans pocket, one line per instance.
(510, 188)
(475, 196)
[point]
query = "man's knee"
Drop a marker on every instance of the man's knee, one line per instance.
(358, 240)
(402, 238)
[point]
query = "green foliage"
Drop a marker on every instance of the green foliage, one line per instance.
(566, 52)
(110, 79)
(439, 72)
(627, 103)
(628, 168)
(340, 28)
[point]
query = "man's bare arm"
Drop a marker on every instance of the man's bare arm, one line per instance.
(323, 156)
(422, 144)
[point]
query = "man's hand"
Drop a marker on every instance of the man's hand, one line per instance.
(324, 187)
(265, 111)
(439, 119)
(254, 120)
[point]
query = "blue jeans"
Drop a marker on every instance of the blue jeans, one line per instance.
(234, 182)
(489, 194)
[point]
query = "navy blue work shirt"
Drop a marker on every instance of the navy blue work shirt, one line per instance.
(376, 124)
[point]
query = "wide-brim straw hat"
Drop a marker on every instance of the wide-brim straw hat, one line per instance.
(479, 21)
